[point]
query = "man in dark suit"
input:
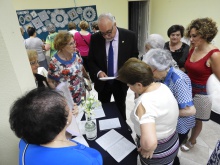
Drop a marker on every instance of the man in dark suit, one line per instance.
(124, 44)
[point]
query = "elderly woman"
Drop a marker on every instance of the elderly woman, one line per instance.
(161, 63)
(178, 49)
(50, 39)
(33, 42)
(82, 39)
(40, 118)
(154, 116)
(154, 41)
(202, 61)
(40, 80)
(66, 66)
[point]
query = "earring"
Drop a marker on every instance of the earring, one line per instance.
(67, 123)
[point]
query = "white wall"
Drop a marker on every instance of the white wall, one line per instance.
(165, 13)
(16, 78)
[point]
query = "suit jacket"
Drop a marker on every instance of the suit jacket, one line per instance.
(127, 48)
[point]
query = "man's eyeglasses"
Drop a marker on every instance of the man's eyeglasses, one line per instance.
(34, 62)
(106, 33)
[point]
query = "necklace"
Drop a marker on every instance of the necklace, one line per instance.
(58, 140)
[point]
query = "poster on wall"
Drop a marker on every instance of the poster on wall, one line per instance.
(59, 17)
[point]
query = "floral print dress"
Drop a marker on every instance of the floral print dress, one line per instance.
(70, 72)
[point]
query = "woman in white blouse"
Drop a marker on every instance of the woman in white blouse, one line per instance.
(154, 116)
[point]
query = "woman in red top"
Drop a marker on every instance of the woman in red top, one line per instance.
(202, 61)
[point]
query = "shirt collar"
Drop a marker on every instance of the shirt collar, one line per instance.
(168, 77)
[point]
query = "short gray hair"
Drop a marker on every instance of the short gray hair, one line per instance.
(108, 16)
(159, 59)
(51, 28)
(155, 41)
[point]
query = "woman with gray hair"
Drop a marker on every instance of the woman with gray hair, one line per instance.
(154, 41)
(49, 44)
(161, 63)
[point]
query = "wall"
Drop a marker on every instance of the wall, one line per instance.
(16, 78)
(119, 8)
(165, 13)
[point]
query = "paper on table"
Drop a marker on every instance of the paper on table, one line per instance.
(81, 140)
(109, 124)
(98, 112)
(116, 145)
(121, 149)
(109, 139)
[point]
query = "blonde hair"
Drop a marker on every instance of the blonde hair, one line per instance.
(32, 54)
(84, 25)
(62, 39)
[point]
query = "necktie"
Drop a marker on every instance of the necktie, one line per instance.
(110, 61)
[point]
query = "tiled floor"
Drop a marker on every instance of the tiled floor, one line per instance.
(206, 141)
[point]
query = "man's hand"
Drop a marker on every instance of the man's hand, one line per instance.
(102, 74)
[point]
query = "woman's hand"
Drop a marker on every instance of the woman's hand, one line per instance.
(146, 154)
(75, 110)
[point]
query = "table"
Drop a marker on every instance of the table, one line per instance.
(111, 111)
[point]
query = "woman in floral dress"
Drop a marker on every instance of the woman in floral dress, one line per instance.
(67, 66)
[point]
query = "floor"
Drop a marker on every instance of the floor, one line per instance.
(206, 141)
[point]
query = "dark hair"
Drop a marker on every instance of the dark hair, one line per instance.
(95, 26)
(134, 70)
(205, 27)
(71, 26)
(31, 31)
(38, 116)
(175, 28)
(61, 40)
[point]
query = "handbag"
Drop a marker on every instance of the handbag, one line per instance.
(88, 84)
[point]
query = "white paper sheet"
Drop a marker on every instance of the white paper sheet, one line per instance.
(73, 128)
(98, 112)
(121, 149)
(109, 124)
(109, 139)
(116, 145)
(107, 78)
(81, 140)
(66, 93)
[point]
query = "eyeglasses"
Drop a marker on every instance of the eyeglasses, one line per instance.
(71, 43)
(106, 33)
(34, 62)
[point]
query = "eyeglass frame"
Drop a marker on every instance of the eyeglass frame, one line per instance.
(106, 33)
(34, 62)
(71, 43)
